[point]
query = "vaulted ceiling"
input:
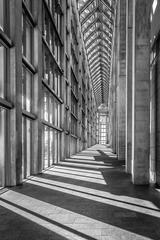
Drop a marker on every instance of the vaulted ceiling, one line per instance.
(97, 22)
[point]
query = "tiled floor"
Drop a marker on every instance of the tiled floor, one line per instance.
(87, 197)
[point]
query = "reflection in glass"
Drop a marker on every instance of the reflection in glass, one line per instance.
(2, 15)
(50, 145)
(2, 144)
(27, 90)
(46, 106)
(27, 39)
(51, 148)
(26, 147)
(2, 70)
(46, 144)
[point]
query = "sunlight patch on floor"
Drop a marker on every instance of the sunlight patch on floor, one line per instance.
(78, 160)
(82, 157)
(61, 221)
(86, 166)
(101, 197)
(78, 173)
(104, 194)
(79, 170)
(75, 177)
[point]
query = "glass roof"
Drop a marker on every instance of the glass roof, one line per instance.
(97, 22)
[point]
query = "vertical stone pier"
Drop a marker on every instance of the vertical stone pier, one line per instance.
(129, 29)
(121, 86)
(141, 92)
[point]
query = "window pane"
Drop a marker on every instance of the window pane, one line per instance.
(2, 14)
(27, 39)
(26, 147)
(46, 144)
(2, 70)
(45, 106)
(2, 144)
(46, 67)
(27, 90)
(56, 147)
(51, 147)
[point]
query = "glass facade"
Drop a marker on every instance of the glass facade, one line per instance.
(52, 82)
(27, 89)
(43, 116)
(103, 131)
(28, 79)
(26, 147)
(27, 38)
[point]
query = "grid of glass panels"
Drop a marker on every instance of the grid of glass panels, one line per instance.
(97, 26)
(52, 82)
(74, 104)
(27, 88)
(102, 129)
(50, 140)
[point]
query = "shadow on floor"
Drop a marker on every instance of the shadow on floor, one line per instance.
(91, 202)
(16, 227)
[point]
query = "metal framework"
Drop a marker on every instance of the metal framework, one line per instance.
(97, 20)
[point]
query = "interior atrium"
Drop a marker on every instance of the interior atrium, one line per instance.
(79, 119)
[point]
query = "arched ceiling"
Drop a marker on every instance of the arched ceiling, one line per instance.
(97, 22)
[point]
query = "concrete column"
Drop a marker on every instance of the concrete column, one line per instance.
(129, 27)
(14, 158)
(140, 92)
(61, 144)
(122, 80)
(38, 62)
(112, 107)
(114, 94)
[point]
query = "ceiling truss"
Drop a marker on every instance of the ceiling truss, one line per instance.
(97, 21)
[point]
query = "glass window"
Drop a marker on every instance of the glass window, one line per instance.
(46, 146)
(51, 109)
(27, 39)
(26, 147)
(56, 147)
(51, 75)
(2, 15)
(46, 26)
(59, 115)
(74, 85)
(2, 70)
(59, 86)
(46, 67)
(51, 147)
(51, 39)
(46, 107)
(2, 144)
(73, 125)
(27, 90)
(66, 95)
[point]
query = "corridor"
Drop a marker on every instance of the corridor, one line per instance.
(86, 197)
